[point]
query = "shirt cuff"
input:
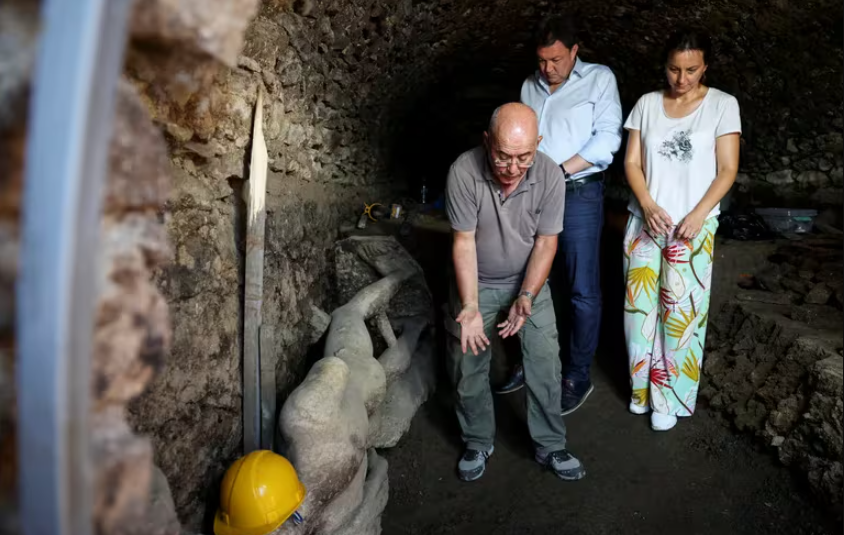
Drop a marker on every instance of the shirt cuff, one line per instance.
(594, 153)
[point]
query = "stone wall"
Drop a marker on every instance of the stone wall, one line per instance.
(131, 333)
(781, 60)
(18, 36)
(335, 75)
(322, 67)
(363, 97)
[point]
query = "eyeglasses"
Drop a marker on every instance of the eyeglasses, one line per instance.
(508, 163)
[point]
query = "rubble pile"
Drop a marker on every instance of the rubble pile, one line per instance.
(774, 360)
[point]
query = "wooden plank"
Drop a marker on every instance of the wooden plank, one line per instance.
(268, 392)
(256, 188)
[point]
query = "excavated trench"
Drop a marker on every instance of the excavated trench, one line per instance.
(364, 101)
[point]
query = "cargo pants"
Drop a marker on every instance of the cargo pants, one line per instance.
(543, 370)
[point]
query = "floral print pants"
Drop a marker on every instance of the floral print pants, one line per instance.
(665, 314)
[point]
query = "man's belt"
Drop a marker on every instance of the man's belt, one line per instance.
(579, 182)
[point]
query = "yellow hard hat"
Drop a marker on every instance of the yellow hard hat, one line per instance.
(259, 492)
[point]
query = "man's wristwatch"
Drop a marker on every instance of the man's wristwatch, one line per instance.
(527, 294)
(566, 174)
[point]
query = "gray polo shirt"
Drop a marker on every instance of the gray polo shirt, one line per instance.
(505, 231)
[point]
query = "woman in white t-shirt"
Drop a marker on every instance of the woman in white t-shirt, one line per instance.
(682, 158)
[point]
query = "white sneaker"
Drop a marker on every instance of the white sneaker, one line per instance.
(662, 422)
(638, 409)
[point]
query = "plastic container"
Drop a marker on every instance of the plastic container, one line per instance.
(788, 220)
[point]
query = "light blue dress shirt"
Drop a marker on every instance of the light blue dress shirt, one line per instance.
(583, 116)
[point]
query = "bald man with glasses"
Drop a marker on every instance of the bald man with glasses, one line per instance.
(505, 202)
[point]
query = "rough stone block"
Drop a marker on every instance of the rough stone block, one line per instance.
(249, 64)
(319, 322)
(831, 142)
(138, 164)
(133, 332)
(819, 294)
(786, 389)
(265, 41)
(780, 178)
(797, 285)
(815, 446)
(821, 317)
(769, 278)
(212, 27)
(122, 474)
(813, 179)
(763, 297)
(827, 376)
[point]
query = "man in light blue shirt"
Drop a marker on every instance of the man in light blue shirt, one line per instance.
(580, 123)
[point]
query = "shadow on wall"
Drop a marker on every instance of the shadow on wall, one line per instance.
(453, 110)
(783, 63)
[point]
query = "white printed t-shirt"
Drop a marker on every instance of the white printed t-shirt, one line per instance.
(678, 155)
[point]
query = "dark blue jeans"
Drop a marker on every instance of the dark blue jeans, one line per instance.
(577, 278)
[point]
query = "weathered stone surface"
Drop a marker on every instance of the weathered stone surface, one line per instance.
(133, 333)
(396, 359)
(213, 27)
(329, 420)
(192, 412)
(817, 316)
(319, 323)
(19, 29)
(354, 258)
(345, 81)
(137, 159)
(324, 426)
(763, 297)
(780, 380)
(772, 127)
(122, 473)
(338, 512)
(812, 179)
(367, 518)
(404, 397)
(160, 516)
(815, 445)
(349, 339)
(780, 178)
(819, 294)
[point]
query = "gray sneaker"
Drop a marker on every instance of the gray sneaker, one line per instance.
(564, 464)
(472, 464)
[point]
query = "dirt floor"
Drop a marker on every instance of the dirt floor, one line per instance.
(699, 478)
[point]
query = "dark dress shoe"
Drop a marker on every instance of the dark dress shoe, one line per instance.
(515, 382)
(575, 394)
